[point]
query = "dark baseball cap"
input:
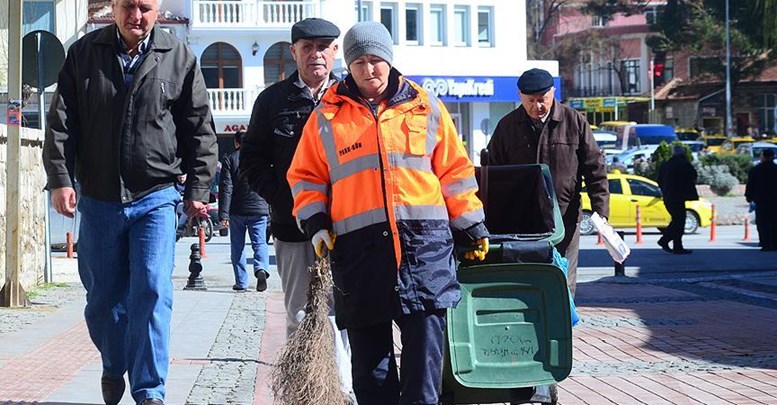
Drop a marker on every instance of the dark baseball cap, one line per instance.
(535, 81)
(312, 28)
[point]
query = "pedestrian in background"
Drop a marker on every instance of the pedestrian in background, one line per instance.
(129, 115)
(274, 130)
(677, 179)
(542, 130)
(761, 190)
(242, 209)
(380, 179)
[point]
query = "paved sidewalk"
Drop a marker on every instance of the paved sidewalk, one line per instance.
(679, 330)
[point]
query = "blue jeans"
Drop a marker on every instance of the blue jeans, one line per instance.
(125, 260)
(257, 229)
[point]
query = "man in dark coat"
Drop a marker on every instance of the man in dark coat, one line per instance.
(677, 179)
(761, 189)
(241, 209)
(542, 130)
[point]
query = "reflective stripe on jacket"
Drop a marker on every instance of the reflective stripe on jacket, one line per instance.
(394, 183)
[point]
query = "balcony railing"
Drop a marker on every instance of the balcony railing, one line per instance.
(251, 13)
(232, 101)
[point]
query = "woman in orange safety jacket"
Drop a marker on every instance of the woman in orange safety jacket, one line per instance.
(380, 168)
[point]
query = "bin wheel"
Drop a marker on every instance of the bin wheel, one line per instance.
(553, 396)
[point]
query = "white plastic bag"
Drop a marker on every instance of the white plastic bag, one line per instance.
(617, 247)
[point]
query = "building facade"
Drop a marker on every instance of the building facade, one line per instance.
(468, 52)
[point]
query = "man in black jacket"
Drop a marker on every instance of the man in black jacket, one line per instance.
(129, 115)
(241, 209)
(761, 190)
(677, 179)
(279, 114)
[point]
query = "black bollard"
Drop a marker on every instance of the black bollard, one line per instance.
(620, 268)
(195, 281)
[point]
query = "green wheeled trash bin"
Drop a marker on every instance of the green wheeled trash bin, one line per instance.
(509, 340)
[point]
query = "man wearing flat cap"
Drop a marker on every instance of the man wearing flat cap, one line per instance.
(279, 113)
(542, 130)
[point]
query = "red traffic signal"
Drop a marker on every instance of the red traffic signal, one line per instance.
(658, 69)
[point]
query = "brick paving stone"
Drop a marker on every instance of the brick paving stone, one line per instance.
(273, 339)
(36, 374)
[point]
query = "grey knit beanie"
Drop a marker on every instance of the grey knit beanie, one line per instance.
(368, 38)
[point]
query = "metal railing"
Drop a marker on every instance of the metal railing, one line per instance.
(232, 101)
(256, 13)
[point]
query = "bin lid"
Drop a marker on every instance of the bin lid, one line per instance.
(512, 327)
(520, 201)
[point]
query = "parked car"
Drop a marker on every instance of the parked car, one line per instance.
(754, 150)
(627, 191)
(730, 145)
(695, 147)
(627, 158)
(606, 141)
(687, 134)
(713, 142)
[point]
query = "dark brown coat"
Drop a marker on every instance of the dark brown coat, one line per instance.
(566, 145)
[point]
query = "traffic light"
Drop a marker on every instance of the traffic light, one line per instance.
(659, 61)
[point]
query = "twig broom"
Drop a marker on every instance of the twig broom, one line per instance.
(305, 372)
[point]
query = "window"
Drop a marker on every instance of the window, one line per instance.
(37, 15)
(388, 17)
(615, 186)
(221, 66)
(461, 25)
(598, 21)
(706, 65)
(485, 26)
(437, 27)
(766, 111)
(639, 187)
(630, 76)
(651, 15)
(413, 24)
(366, 12)
(278, 63)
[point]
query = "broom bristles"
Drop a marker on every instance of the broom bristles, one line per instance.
(306, 372)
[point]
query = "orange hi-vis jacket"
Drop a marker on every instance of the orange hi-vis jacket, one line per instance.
(394, 183)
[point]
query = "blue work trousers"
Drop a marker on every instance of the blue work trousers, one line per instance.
(257, 230)
(125, 260)
(374, 367)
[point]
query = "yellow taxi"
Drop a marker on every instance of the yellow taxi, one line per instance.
(687, 134)
(731, 144)
(627, 191)
(713, 142)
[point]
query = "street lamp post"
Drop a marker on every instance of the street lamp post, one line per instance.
(729, 124)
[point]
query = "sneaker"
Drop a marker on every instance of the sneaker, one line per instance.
(261, 279)
(237, 288)
(664, 245)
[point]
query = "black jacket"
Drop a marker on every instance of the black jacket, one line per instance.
(235, 195)
(123, 143)
(279, 114)
(761, 186)
(677, 179)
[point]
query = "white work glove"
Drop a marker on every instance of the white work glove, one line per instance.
(322, 237)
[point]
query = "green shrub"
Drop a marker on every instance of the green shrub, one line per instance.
(719, 178)
(738, 165)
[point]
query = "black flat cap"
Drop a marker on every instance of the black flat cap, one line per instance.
(535, 81)
(312, 28)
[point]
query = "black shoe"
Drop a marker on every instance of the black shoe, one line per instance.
(261, 279)
(152, 401)
(237, 288)
(113, 390)
(664, 245)
(682, 251)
